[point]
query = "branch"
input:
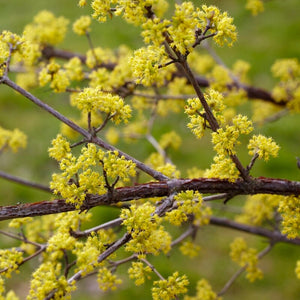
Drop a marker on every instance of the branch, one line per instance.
(260, 185)
(274, 236)
(242, 269)
(89, 137)
(24, 182)
(252, 92)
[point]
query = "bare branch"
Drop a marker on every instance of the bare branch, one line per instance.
(260, 185)
(274, 236)
(24, 182)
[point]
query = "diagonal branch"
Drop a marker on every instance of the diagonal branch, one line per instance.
(24, 182)
(89, 137)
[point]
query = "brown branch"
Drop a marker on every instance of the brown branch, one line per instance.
(89, 137)
(260, 185)
(274, 236)
(24, 182)
(252, 92)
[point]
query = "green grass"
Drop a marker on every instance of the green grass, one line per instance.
(262, 39)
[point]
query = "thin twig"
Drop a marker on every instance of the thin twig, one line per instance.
(242, 269)
(93, 139)
(145, 261)
(25, 182)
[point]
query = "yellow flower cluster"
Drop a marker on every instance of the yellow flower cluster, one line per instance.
(46, 279)
(184, 23)
(170, 288)
(132, 11)
(61, 239)
(219, 78)
(156, 161)
(170, 140)
(46, 29)
(193, 109)
(10, 295)
(288, 88)
(153, 31)
(107, 280)
(19, 48)
(240, 70)
(222, 168)
(219, 23)
(289, 207)
(74, 69)
(82, 25)
(148, 236)
(139, 272)
(88, 251)
(145, 64)
(204, 292)
(14, 139)
(245, 257)
(189, 203)
(54, 74)
(10, 260)
(297, 269)
(255, 6)
(78, 177)
(60, 148)
(259, 208)
(93, 100)
(189, 249)
(101, 8)
(94, 57)
(263, 146)
(225, 140)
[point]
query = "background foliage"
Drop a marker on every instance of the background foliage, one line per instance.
(262, 39)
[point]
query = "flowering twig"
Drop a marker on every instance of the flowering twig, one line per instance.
(94, 139)
(242, 269)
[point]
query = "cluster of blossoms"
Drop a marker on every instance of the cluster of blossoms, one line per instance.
(198, 122)
(46, 29)
(255, 6)
(80, 175)
(259, 209)
(10, 259)
(148, 236)
(157, 162)
(139, 272)
(289, 209)
(48, 278)
(170, 288)
(204, 292)
(189, 203)
(263, 147)
(133, 12)
(245, 257)
(288, 87)
(92, 100)
(14, 139)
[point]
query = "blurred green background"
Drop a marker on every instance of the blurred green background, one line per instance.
(262, 39)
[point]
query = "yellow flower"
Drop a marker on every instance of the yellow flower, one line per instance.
(46, 29)
(82, 25)
(170, 288)
(263, 146)
(245, 257)
(255, 6)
